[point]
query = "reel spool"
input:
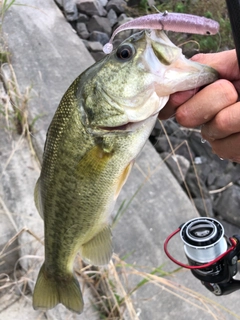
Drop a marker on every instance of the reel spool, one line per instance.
(203, 240)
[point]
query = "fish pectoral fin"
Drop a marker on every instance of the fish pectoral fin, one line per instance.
(48, 292)
(123, 178)
(37, 199)
(98, 251)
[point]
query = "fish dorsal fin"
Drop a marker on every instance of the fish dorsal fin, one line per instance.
(98, 250)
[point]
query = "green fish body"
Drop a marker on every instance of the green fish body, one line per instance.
(100, 126)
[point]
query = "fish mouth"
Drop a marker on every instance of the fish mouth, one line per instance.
(127, 127)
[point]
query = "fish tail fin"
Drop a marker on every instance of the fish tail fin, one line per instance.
(48, 292)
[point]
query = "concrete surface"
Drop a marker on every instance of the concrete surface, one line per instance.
(47, 56)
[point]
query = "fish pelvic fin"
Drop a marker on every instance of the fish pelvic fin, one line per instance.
(98, 251)
(49, 292)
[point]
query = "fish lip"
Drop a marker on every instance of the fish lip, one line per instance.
(128, 126)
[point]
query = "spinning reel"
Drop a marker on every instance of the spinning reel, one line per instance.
(212, 257)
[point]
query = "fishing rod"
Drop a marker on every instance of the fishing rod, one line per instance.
(233, 7)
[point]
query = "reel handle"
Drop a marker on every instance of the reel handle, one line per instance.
(224, 288)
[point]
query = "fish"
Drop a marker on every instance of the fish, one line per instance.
(102, 123)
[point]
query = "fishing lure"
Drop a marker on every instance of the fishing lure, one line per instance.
(178, 22)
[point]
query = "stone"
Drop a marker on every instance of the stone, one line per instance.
(192, 183)
(101, 24)
(178, 165)
(99, 36)
(117, 5)
(94, 46)
(122, 17)
(98, 55)
(204, 207)
(59, 3)
(123, 35)
(228, 205)
(82, 17)
(112, 17)
(91, 7)
(70, 10)
(103, 2)
(82, 30)
(222, 180)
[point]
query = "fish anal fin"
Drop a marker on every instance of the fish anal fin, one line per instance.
(37, 198)
(49, 292)
(122, 179)
(98, 250)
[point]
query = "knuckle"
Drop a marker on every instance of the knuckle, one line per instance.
(226, 92)
(223, 122)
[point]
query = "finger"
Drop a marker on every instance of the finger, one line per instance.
(237, 85)
(224, 62)
(225, 123)
(202, 107)
(175, 100)
(226, 148)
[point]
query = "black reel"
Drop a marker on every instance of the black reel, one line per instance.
(212, 257)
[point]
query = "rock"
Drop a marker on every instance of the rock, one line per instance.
(82, 18)
(161, 144)
(59, 3)
(98, 55)
(91, 7)
(192, 182)
(200, 149)
(99, 36)
(122, 17)
(93, 46)
(103, 2)
(228, 205)
(202, 167)
(112, 17)
(204, 207)
(222, 180)
(234, 170)
(82, 30)
(101, 24)
(174, 162)
(117, 5)
(70, 10)
(172, 128)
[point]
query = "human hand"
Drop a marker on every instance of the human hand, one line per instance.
(215, 107)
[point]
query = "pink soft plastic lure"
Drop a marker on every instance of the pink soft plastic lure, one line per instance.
(178, 22)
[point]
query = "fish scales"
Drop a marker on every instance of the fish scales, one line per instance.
(99, 128)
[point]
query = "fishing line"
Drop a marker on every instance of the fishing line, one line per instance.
(202, 266)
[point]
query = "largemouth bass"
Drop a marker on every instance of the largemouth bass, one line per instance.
(99, 128)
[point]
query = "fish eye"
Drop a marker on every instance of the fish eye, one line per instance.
(125, 52)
